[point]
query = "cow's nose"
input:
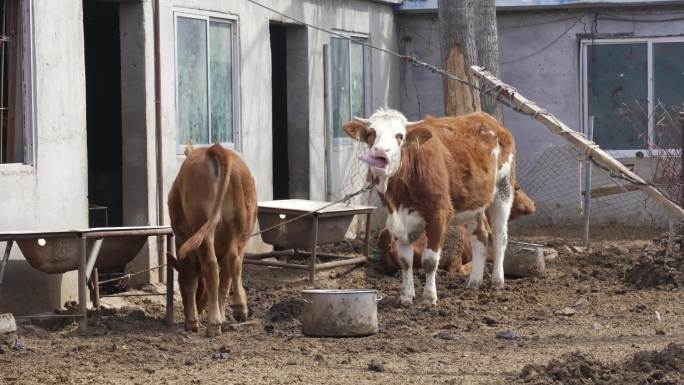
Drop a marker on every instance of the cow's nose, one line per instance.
(380, 150)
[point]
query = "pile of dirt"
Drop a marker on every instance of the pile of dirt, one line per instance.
(282, 319)
(664, 367)
(656, 268)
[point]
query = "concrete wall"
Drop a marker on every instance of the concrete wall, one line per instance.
(551, 77)
(52, 193)
(364, 17)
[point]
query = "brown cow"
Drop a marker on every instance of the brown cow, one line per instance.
(436, 170)
(455, 260)
(212, 205)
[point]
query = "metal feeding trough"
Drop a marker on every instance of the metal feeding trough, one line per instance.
(86, 250)
(323, 226)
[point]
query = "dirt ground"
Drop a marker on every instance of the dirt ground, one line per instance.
(582, 323)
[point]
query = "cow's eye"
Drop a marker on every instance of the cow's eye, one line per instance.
(400, 137)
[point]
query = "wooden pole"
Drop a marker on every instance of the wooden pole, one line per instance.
(486, 38)
(459, 52)
(591, 149)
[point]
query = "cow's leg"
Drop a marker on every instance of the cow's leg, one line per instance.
(499, 211)
(478, 243)
(435, 238)
(240, 310)
(210, 272)
(405, 251)
(187, 280)
(225, 281)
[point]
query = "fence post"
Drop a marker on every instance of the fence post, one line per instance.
(587, 186)
(681, 155)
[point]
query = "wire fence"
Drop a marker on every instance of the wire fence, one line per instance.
(556, 179)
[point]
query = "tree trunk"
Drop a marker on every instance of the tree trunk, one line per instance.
(488, 50)
(459, 52)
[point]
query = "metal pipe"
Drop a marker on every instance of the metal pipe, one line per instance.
(587, 186)
(312, 262)
(171, 245)
(278, 264)
(82, 286)
(5, 257)
(92, 256)
(161, 257)
(346, 262)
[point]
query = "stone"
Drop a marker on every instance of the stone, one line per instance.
(448, 335)
(566, 312)
(508, 335)
(617, 250)
(578, 249)
(374, 366)
(597, 326)
(565, 250)
(7, 323)
(550, 253)
(581, 303)
(524, 261)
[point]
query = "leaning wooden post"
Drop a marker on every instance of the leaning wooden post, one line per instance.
(590, 149)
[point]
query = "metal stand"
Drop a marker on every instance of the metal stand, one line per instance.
(84, 261)
(313, 266)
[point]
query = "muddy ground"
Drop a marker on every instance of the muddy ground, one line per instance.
(582, 323)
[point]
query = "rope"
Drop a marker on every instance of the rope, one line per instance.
(129, 275)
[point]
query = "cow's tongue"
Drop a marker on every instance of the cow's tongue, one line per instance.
(373, 161)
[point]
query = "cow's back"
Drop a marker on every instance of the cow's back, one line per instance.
(472, 161)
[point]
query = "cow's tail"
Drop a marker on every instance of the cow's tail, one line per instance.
(218, 154)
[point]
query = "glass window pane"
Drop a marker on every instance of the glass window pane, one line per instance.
(220, 64)
(617, 79)
(668, 88)
(357, 79)
(339, 84)
(192, 81)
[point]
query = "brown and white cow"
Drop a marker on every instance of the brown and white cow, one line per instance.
(212, 205)
(455, 260)
(436, 170)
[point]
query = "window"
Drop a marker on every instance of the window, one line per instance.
(206, 81)
(15, 87)
(349, 82)
(620, 75)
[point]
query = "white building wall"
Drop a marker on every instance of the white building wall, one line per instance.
(52, 193)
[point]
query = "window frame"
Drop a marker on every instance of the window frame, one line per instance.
(584, 85)
(208, 17)
(344, 141)
(27, 83)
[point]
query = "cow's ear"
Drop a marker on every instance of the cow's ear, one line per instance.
(356, 130)
(418, 135)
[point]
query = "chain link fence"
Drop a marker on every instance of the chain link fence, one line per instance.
(556, 179)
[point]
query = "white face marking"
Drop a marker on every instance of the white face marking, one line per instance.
(402, 223)
(384, 157)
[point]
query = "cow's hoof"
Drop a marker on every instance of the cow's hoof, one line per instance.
(192, 326)
(240, 313)
(429, 300)
(474, 284)
(405, 301)
(497, 284)
(213, 330)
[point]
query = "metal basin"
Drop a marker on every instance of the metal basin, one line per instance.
(340, 313)
(299, 234)
(333, 222)
(60, 254)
